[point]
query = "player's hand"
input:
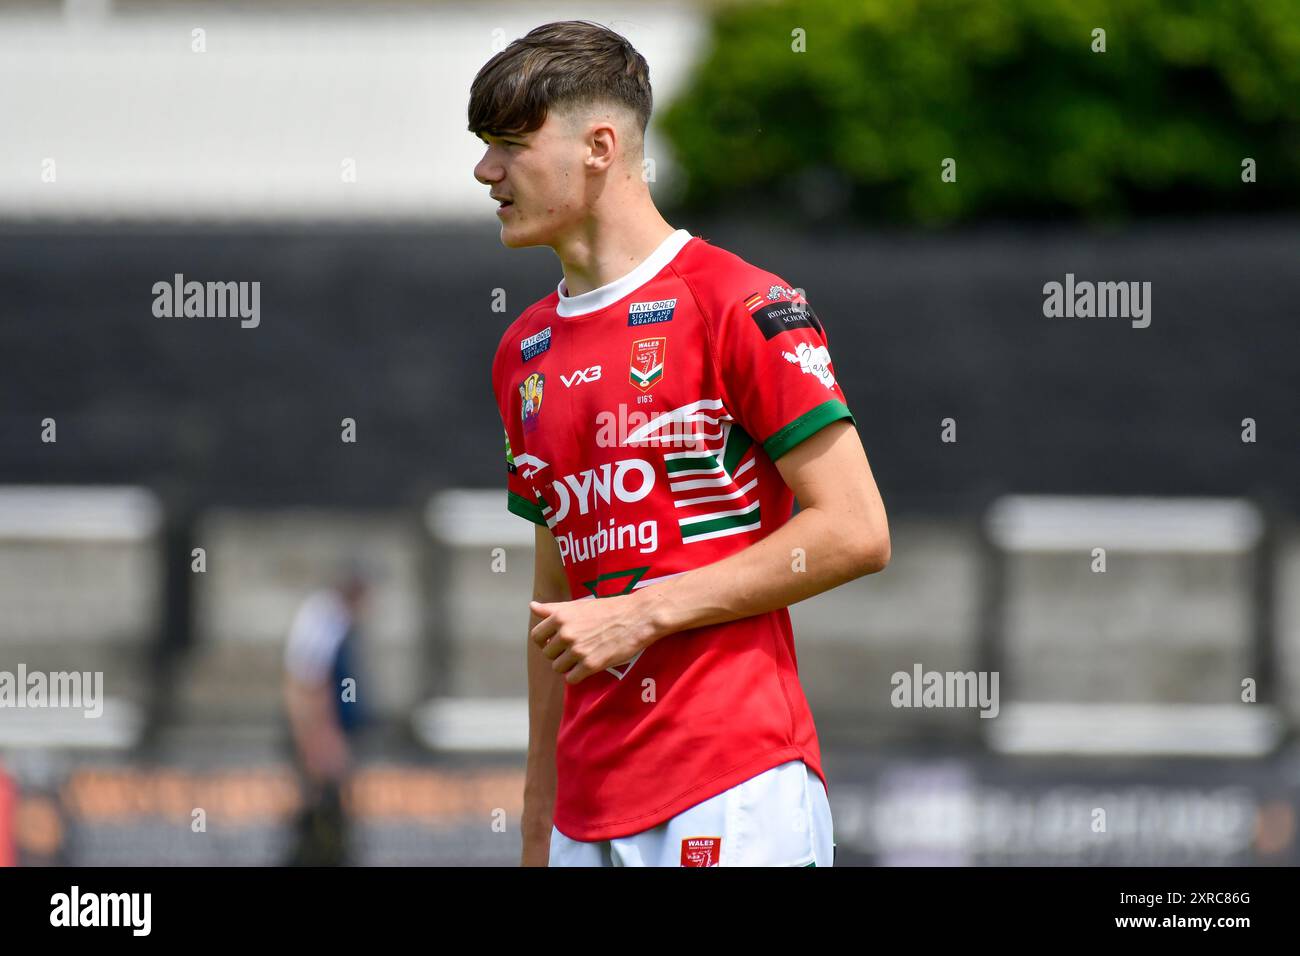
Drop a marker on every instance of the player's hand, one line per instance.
(585, 637)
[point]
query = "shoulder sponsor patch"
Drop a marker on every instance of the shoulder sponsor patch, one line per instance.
(779, 308)
(535, 345)
(777, 317)
(648, 313)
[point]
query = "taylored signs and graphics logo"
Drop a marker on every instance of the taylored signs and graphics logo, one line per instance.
(535, 345)
(650, 313)
(648, 361)
(530, 399)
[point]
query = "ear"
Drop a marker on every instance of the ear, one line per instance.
(603, 144)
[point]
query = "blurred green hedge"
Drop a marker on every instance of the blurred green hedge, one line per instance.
(1038, 123)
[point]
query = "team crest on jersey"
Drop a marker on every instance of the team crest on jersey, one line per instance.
(530, 399)
(648, 361)
(535, 345)
(701, 851)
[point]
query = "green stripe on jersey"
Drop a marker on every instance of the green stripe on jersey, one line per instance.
(524, 508)
(690, 531)
(738, 442)
(806, 425)
(691, 463)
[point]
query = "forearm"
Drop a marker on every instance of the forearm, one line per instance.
(545, 707)
(813, 552)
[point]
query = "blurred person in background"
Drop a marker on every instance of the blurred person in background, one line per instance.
(320, 690)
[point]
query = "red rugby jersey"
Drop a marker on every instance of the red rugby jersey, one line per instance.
(642, 421)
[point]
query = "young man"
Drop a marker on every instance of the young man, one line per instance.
(663, 408)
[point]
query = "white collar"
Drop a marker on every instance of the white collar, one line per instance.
(611, 292)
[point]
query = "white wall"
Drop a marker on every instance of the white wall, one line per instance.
(258, 126)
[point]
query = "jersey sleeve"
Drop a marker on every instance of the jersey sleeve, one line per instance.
(775, 364)
(521, 499)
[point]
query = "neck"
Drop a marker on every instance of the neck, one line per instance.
(610, 244)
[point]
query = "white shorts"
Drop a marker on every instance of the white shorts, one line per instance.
(780, 817)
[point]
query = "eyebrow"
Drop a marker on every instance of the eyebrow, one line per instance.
(516, 136)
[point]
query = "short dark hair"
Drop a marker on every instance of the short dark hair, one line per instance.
(556, 65)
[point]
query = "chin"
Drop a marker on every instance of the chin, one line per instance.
(513, 237)
(514, 240)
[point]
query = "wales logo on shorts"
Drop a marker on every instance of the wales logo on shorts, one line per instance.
(648, 361)
(701, 851)
(530, 399)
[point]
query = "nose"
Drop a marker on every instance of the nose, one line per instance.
(488, 171)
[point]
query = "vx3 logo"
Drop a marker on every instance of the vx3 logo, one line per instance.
(581, 375)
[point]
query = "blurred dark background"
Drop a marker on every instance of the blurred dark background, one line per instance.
(395, 328)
